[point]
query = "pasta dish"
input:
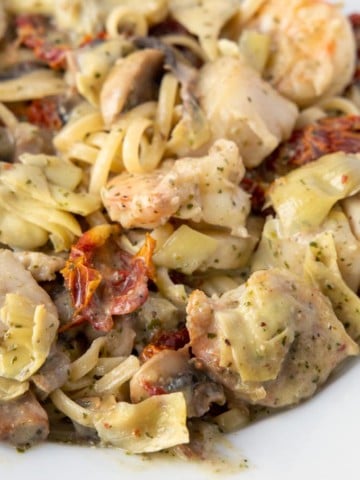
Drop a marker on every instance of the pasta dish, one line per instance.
(179, 215)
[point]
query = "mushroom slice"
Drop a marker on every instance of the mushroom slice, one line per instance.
(192, 131)
(172, 371)
(129, 82)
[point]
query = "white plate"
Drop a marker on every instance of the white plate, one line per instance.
(316, 440)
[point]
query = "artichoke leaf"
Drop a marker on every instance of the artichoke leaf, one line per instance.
(29, 332)
(80, 203)
(185, 250)
(10, 389)
(56, 170)
(262, 317)
(19, 233)
(27, 179)
(61, 226)
(276, 249)
(154, 424)
(322, 268)
(304, 197)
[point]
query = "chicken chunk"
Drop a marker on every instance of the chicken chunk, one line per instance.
(53, 374)
(271, 341)
(41, 266)
(23, 421)
(198, 189)
(246, 109)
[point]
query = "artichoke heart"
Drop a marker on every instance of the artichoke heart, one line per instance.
(321, 267)
(38, 200)
(10, 389)
(149, 426)
(303, 198)
(29, 332)
(258, 352)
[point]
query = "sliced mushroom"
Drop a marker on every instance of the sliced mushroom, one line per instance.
(7, 146)
(31, 139)
(185, 73)
(193, 126)
(171, 371)
(130, 82)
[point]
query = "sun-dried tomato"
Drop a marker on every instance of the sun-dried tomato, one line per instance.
(327, 135)
(256, 188)
(165, 340)
(32, 32)
(89, 39)
(44, 113)
(152, 389)
(51, 47)
(103, 279)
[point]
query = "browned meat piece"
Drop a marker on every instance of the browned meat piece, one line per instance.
(31, 139)
(53, 374)
(271, 341)
(23, 421)
(42, 267)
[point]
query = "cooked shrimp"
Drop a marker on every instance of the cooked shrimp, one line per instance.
(312, 48)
